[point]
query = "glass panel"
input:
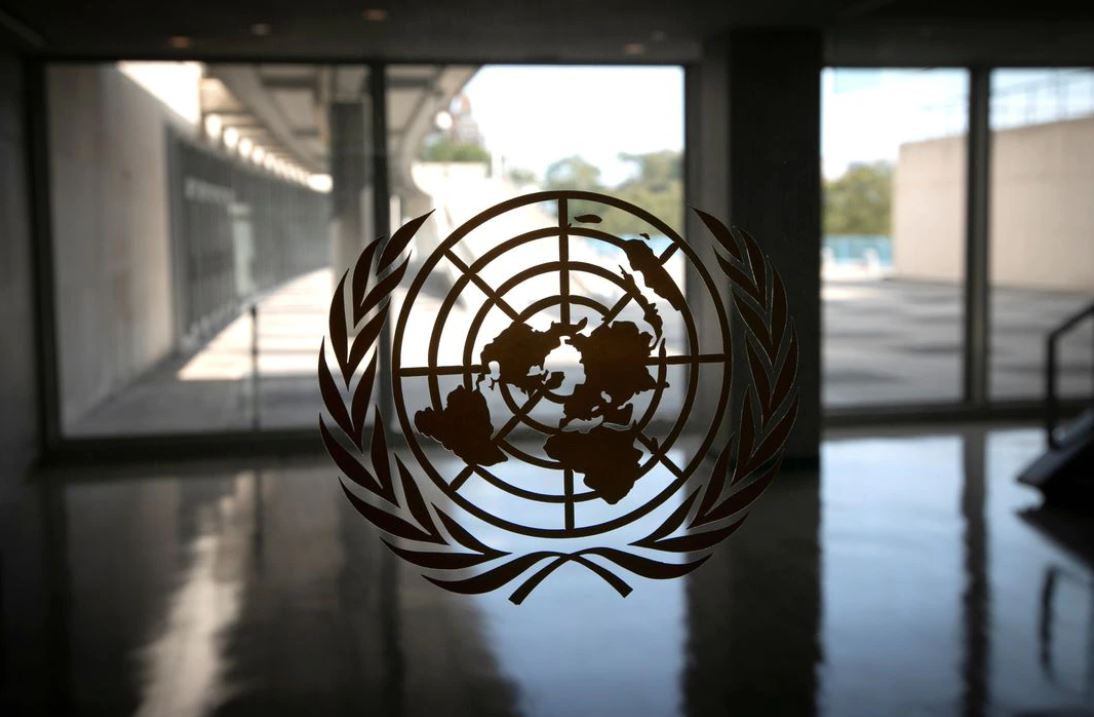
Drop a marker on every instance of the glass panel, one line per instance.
(463, 139)
(893, 155)
(1042, 227)
(459, 143)
(193, 236)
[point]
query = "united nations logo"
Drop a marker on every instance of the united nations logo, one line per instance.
(552, 383)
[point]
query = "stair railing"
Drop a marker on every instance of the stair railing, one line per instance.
(1052, 401)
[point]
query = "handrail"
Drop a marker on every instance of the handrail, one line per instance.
(1052, 402)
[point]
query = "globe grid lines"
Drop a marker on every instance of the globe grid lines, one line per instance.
(658, 453)
(469, 275)
(519, 414)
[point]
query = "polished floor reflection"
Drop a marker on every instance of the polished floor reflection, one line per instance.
(914, 577)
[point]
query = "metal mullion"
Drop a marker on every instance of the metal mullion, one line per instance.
(48, 375)
(381, 211)
(977, 319)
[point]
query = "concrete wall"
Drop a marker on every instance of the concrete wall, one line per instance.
(110, 231)
(929, 211)
(1042, 211)
(1042, 208)
(18, 409)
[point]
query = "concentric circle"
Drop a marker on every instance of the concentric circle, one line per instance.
(691, 360)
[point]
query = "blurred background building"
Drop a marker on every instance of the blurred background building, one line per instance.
(183, 187)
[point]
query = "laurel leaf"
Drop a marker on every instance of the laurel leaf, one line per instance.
(337, 328)
(721, 234)
(644, 566)
(379, 455)
(366, 339)
(400, 239)
(775, 439)
(756, 261)
(715, 484)
(778, 310)
(746, 434)
(362, 270)
(754, 322)
(743, 498)
(464, 538)
(588, 219)
(332, 399)
(440, 561)
(492, 579)
(759, 377)
(349, 467)
(738, 277)
(383, 288)
(388, 522)
(787, 374)
(361, 397)
(693, 542)
(674, 521)
(414, 502)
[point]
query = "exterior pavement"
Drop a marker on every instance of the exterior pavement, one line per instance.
(886, 342)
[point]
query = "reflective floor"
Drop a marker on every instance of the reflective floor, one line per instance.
(897, 341)
(914, 577)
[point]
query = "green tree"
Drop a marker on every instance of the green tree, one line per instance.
(657, 186)
(860, 200)
(575, 173)
(441, 148)
(522, 177)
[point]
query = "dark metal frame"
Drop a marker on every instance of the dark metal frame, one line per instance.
(977, 344)
(41, 230)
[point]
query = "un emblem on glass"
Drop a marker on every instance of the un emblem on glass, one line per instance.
(538, 390)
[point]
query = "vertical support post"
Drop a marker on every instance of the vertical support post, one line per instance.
(1051, 408)
(48, 375)
(255, 421)
(774, 188)
(381, 197)
(349, 170)
(977, 353)
(706, 186)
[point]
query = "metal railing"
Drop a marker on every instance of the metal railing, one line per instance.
(1052, 401)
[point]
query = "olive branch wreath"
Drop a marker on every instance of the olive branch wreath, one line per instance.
(743, 469)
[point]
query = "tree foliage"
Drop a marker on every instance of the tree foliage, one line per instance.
(860, 200)
(521, 177)
(656, 185)
(444, 149)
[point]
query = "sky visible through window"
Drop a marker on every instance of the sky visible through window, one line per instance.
(868, 113)
(532, 116)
